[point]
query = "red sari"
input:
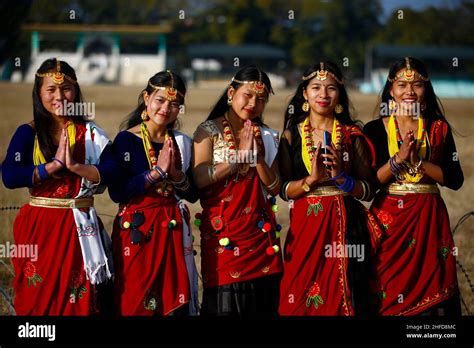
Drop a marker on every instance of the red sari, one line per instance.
(241, 204)
(55, 283)
(316, 277)
(415, 261)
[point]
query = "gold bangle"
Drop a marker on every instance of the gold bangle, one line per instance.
(274, 183)
(306, 188)
(180, 182)
(286, 185)
(211, 170)
(364, 190)
(183, 187)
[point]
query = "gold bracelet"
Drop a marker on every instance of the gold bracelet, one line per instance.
(180, 182)
(184, 186)
(285, 190)
(274, 183)
(364, 190)
(211, 172)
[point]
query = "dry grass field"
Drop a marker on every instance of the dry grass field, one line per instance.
(112, 103)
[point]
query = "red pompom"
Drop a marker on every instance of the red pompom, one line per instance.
(267, 227)
(270, 251)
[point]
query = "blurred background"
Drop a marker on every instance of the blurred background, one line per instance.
(116, 46)
(125, 42)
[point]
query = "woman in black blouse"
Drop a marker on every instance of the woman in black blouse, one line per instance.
(326, 252)
(152, 238)
(415, 151)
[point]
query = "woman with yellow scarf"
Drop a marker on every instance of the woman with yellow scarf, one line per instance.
(152, 238)
(415, 150)
(62, 158)
(325, 162)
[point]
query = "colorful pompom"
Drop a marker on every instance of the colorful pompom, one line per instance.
(270, 251)
(172, 223)
(224, 241)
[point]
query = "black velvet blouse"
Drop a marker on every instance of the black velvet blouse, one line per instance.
(292, 166)
(450, 164)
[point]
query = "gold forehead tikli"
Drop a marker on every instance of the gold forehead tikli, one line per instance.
(257, 86)
(408, 74)
(171, 93)
(322, 74)
(57, 76)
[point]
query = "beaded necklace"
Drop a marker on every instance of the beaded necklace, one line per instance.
(230, 139)
(163, 188)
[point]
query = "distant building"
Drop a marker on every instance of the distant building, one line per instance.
(219, 60)
(101, 53)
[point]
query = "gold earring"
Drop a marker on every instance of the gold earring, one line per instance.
(229, 101)
(338, 109)
(392, 105)
(145, 116)
(305, 106)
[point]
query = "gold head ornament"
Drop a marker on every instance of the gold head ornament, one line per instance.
(408, 75)
(322, 74)
(171, 93)
(258, 87)
(57, 76)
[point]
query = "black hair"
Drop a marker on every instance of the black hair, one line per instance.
(42, 118)
(247, 73)
(162, 79)
(434, 109)
(294, 114)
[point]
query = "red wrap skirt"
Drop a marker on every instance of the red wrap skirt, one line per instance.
(150, 277)
(318, 255)
(415, 262)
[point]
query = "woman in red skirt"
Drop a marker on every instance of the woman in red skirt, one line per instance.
(416, 264)
(152, 240)
(325, 163)
(236, 170)
(62, 159)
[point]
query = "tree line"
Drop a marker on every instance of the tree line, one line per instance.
(305, 30)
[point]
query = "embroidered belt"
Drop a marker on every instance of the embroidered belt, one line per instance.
(62, 202)
(326, 191)
(403, 189)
